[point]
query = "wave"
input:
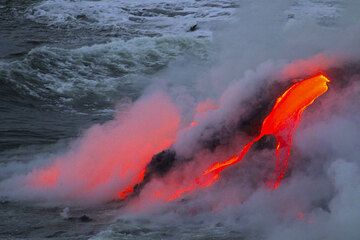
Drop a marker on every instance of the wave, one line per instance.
(156, 16)
(94, 76)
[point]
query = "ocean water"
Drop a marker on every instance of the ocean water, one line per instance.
(66, 65)
(56, 64)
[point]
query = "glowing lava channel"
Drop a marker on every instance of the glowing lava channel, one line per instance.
(281, 123)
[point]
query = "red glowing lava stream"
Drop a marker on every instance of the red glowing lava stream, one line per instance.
(281, 123)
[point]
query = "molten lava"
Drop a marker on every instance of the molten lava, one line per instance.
(281, 123)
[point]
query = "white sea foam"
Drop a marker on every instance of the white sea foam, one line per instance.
(161, 17)
(106, 70)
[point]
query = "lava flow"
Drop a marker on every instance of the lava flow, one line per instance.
(281, 123)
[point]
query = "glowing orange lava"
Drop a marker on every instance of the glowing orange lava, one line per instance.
(201, 109)
(281, 122)
(130, 189)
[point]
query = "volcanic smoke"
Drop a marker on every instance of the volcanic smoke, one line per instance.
(281, 123)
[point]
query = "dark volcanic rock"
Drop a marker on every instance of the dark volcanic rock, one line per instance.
(85, 218)
(193, 28)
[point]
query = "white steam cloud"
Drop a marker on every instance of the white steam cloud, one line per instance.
(102, 162)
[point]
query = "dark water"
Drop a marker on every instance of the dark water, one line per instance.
(55, 82)
(21, 221)
(57, 78)
(30, 125)
(25, 119)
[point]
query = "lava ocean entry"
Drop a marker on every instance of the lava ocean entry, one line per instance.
(128, 177)
(281, 122)
(191, 119)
